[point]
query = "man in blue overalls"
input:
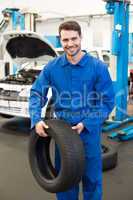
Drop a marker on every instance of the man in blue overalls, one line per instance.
(83, 96)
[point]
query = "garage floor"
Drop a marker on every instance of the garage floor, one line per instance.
(17, 182)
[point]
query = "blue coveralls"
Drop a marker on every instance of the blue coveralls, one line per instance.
(81, 92)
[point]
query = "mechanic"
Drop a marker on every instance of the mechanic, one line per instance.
(83, 96)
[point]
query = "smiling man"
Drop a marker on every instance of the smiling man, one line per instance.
(71, 43)
(83, 96)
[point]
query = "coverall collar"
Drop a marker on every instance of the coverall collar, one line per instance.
(81, 63)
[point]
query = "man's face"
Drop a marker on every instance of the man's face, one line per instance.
(71, 41)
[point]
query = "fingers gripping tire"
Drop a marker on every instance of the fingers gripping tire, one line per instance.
(71, 152)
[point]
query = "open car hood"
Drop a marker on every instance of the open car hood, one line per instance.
(26, 46)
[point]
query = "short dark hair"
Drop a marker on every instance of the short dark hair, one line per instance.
(70, 25)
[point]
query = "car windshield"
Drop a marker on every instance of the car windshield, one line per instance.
(94, 53)
(106, 56)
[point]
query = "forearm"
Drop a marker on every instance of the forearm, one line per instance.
(34, 108)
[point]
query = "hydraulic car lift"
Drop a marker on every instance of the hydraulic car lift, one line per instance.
(120, 36)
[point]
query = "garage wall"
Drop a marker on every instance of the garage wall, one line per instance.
(51, 28)
(102, 31)
(96, 30)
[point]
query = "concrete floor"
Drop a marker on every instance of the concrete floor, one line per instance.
(17, 182)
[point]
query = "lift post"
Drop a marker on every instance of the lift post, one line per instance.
(120, 38)
(17, 18)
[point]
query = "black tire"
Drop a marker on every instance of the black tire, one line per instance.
(6, 116)
(71, 152)
(109, 157)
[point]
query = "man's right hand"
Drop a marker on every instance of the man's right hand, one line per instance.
(40, 128)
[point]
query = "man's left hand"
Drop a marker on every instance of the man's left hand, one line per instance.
(79, 127)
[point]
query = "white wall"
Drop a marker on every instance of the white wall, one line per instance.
(102, 31)
(96, 31)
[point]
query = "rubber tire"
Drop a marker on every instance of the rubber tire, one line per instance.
(109, 157)
(71, 152)
(6, 116)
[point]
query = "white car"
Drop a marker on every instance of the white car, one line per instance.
(32, 52)
(102, 54)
